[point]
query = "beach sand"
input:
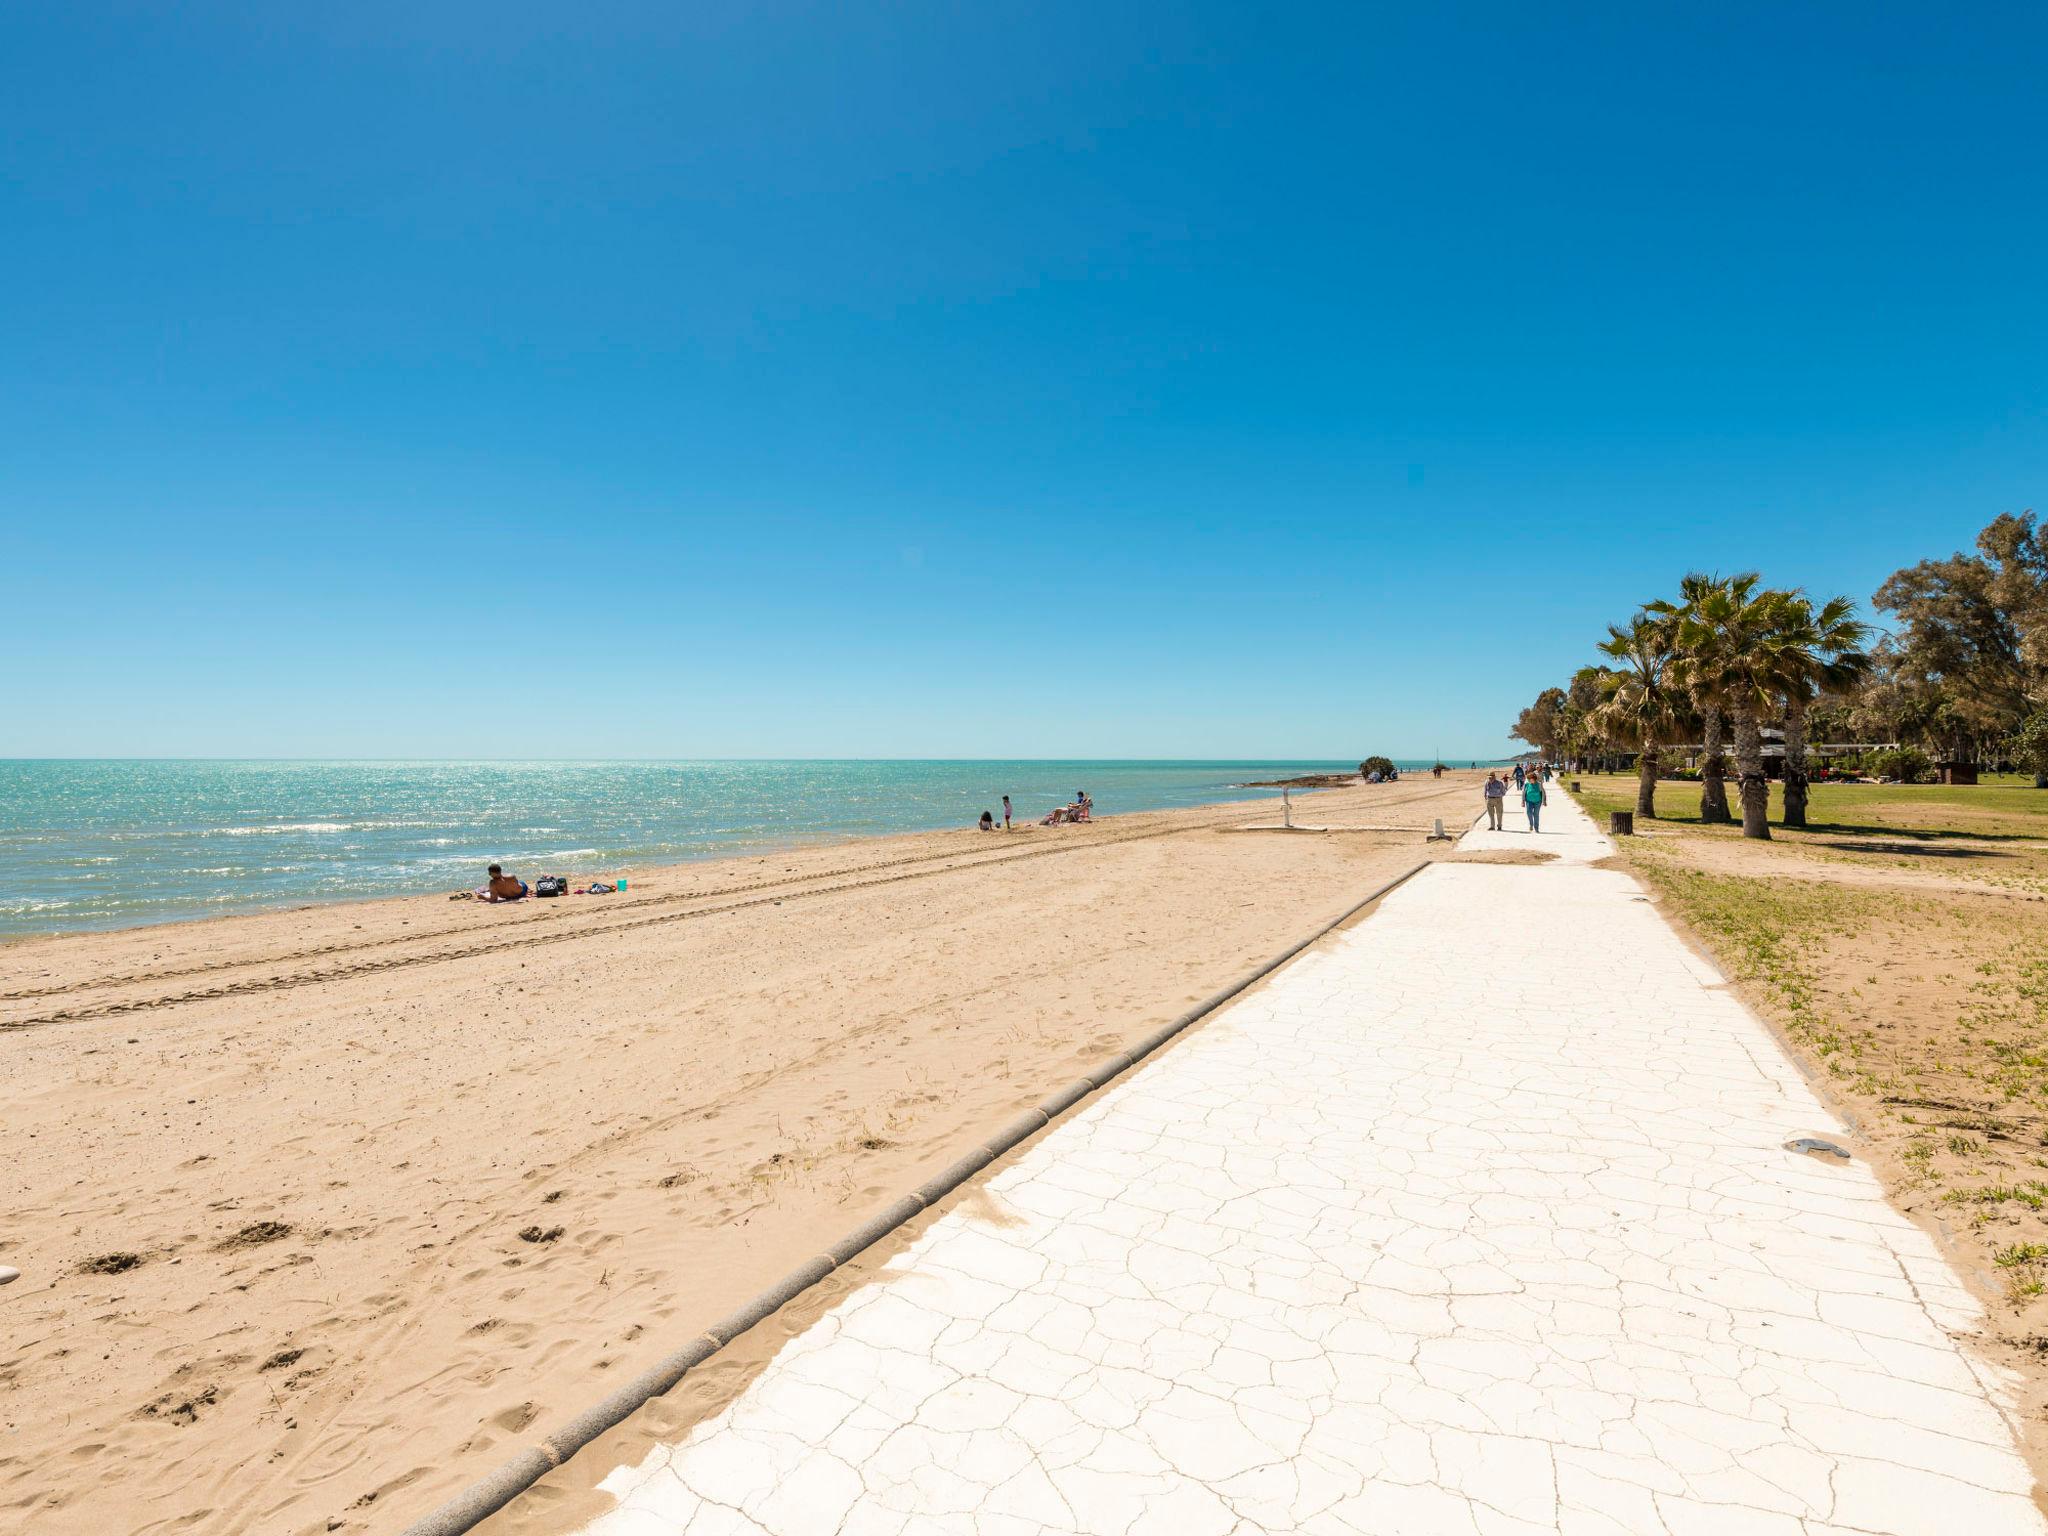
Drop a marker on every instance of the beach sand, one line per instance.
(318, 1211)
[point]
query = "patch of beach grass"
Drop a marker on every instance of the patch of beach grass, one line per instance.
(2022, 1263)
(2033, 1194)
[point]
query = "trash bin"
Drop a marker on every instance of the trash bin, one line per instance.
(1622, 823)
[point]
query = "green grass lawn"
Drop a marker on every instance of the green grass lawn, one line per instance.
(2011, 808)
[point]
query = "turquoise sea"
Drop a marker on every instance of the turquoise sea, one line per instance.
(107, 844)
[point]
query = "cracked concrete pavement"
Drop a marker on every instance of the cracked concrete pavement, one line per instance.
(1476, 1219)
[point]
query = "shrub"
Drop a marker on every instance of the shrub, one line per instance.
(2030, 745)
(1909, 765)
(1379, 765)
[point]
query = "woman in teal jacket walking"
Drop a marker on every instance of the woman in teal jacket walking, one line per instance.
(1532, 800)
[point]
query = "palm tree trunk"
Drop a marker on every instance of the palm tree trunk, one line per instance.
(1646, 780)
(1795, 764)
(1749, 771)
(1713, 770)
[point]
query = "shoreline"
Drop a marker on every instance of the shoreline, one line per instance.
(377, 1187)
(116, 876)
(753, 853)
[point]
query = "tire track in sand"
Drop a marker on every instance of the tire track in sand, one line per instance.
(787, 888)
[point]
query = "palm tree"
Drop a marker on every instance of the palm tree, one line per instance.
(1640, 702)
(1694, 590)
(1731, 639)
(1818, 654)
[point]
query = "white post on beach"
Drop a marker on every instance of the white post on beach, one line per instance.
(1286, 807)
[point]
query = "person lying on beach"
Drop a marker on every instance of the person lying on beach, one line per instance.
(502, 887)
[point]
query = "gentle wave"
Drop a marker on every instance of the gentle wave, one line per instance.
(280, 829)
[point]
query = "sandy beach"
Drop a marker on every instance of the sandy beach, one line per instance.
(318, 1210)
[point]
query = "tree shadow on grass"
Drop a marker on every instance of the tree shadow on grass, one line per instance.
(1915, 839)
(1923, 850)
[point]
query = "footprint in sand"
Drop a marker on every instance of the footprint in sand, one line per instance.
(514, 1419)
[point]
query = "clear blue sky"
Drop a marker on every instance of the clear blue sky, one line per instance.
(1213, 380)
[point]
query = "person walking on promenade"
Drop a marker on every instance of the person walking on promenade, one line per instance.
(1496, 792)
(1520, 776)
(1533, 801)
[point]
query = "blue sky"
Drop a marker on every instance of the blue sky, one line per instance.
(500, 380)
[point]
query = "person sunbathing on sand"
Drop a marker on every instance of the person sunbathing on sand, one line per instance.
(503, 887)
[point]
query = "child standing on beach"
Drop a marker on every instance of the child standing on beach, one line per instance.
(1006, 813)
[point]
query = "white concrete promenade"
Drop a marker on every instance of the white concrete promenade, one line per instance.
(1476, 1220)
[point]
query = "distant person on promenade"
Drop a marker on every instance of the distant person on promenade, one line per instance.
(1533, 801)
(1519, 776)
(501, 886)
(1496, 801)
(1006, 813)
